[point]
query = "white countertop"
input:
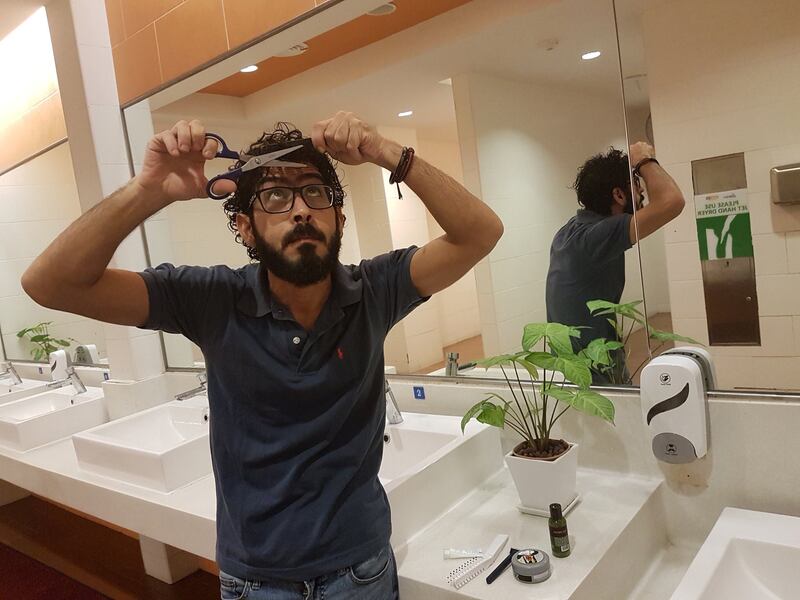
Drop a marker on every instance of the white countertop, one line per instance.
(608, 504)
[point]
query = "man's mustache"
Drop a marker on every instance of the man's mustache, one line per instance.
(303, 231)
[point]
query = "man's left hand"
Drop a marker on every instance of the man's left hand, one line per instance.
(350, 140)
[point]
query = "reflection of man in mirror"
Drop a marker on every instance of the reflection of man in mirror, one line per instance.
(587, 256)
(293, 342)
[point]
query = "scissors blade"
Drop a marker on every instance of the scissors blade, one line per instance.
(270, 159)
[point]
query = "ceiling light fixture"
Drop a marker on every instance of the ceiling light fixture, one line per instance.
(591, 55)
(382, 10)
(295, 50)
(249, 69)
(406, 113)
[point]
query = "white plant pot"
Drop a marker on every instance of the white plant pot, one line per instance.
(542, 482)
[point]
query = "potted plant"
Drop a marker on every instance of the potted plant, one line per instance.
(44, 343)
(544, 469)
(609, 358)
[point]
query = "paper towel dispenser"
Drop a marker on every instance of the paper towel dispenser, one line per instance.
(785, 184)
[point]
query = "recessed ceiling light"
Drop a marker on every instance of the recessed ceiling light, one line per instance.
(591, 55)
(406, 113)
(383, 9)
(249, 69)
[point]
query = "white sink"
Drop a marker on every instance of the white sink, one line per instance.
(52, 415)
(162, 448)
(9, 392)
(748, 555)
(428, 466)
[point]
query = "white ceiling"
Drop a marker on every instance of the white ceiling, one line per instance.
(14, 12)
(506, 39)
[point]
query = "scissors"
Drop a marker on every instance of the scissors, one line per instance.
(251, 162)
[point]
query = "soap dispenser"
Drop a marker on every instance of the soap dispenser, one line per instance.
(674, 406)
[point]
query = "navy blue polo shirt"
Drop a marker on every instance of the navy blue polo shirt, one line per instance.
(296, 417)
(587, 262)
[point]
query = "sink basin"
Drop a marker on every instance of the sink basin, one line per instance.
(10, 392)
(429, 466)
(162, 448)
(748, 555)
(49, 416)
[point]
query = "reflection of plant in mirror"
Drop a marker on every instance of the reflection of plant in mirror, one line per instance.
(532, 414)
(604, 353)
(44, 342)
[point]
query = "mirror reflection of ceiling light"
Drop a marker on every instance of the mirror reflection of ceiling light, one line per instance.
(406, 113)
(591, 55)
(383, 9)
(295, 50)
(448, 81)
(249, 69)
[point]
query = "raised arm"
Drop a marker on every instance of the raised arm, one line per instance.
(471, 228)
(665, 197)
(72, 273)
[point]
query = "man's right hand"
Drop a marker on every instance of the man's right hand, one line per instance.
(639, 151)
(173, 164)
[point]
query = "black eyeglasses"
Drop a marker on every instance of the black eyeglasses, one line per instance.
(275, 200)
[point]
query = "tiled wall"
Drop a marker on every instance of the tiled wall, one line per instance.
(155, 41)
(741, 97)
(512, 136)
(39, 200)
(31, 118)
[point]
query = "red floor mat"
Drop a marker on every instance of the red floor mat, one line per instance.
(22, 578)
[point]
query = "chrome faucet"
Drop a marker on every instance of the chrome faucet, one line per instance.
(71, 379)
(393, 413)
(200, 389)
(11, 373)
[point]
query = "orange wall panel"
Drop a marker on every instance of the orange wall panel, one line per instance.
(247, 19)
(136, 64)
(116, 26)
(40, 127)
(190, 35)
(138, 14)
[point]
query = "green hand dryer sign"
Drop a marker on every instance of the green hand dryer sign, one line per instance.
(723, 225)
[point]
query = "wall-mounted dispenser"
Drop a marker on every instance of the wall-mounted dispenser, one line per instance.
(785, 184)
(673, 391)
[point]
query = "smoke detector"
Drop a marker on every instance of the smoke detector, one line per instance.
(295, 50)
(383, 9)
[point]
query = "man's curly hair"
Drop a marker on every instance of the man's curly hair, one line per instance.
(241, 201)
(598, 177)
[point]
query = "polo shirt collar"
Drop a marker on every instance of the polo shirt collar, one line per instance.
(255, 299)
(588, 216)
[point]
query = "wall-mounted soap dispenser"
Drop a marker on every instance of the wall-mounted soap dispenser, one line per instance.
(58, 365)
(673, 391)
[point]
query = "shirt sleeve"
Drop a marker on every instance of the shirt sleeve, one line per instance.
(179, 299)
(608, 238)
(389, 276)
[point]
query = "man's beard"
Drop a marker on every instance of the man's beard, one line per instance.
(309, 268)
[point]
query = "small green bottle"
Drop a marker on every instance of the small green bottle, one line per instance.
(559, 536)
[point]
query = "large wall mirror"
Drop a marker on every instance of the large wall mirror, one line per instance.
(502, 101)
(40, 199)
(715, 86)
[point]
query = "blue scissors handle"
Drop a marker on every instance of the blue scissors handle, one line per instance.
(223, 151)
(230, 175)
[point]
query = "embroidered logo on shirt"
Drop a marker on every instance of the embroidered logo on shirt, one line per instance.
(339, 353)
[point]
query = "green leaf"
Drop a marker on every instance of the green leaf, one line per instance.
(574, 370)
(474, 410)
(557, 336)
(502, 359)
(667, 336)
(492, 415)
(592, 403)
(39, 338)
(559, 393)
(603, 307)
(23, 332)
(37, 354)
(63, 342)
(597, 351)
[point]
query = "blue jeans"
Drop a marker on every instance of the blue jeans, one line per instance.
(372, 579)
